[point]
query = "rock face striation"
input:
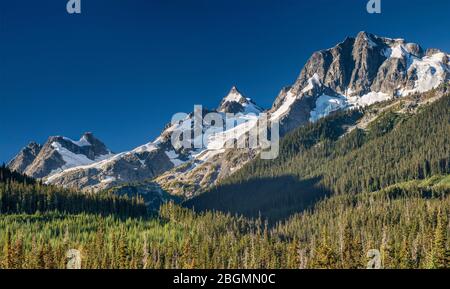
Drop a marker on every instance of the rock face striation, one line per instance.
(25, 157)
(356, 72)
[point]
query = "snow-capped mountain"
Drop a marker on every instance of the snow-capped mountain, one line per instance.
(144, 162)
(59, 154)
(161, 155)
(357, 72)
(236, 103)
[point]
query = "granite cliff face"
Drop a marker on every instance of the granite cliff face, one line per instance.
(356, 72)
(25, 157)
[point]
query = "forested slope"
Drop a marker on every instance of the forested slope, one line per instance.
(20, 194)
(316, 161)
(407, 223)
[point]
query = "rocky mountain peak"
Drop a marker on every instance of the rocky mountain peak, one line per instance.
(367, 39)
(235, 90)
(235, 102)
(356, 72)
(34, 147)
(25, 157)
(233, 96)
(57, 154)
(97, 146)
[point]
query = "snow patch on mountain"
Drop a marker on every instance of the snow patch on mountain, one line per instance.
(327, 104)
(284, 108)
(398, 51)
(81, 143)
(235, 102)
(367, 99)
(108, 179)
(234, 96)
(149, 147)
(313, 82)
(250, 107)
(174, 158)
(244, 125)
(74, 160)
(431, 72)
(71, 159)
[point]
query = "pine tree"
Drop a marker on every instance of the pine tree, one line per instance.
(145, 255)
(352, 249)
(99, 250)
(325, 257)
(440, 253)
(405, 259)
(123, 256)
(7, 251)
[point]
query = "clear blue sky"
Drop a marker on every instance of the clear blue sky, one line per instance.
(123, 67)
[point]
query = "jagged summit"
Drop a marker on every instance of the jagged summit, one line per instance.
(34, 147)
(25, 157)
(235, 102)
(57, 154)
(359, 71)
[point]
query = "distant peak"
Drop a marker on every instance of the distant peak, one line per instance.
(236, 102)
(88, 138)
(234, 96)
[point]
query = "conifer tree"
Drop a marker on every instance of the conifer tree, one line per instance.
(440, 253)
(351, 255)
(325, 257)
(123, 256)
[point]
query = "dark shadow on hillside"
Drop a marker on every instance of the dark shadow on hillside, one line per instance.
(274, 198)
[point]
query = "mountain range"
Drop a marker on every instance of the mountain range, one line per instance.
(358, 72)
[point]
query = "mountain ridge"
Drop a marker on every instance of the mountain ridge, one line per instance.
(357, 72)
(57, 154)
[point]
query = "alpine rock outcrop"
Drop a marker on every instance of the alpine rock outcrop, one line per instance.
(358, 72)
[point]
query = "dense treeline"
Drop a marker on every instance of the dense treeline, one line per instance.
(315, 162)
(20, 194)
(6, 175)
(408, 224)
